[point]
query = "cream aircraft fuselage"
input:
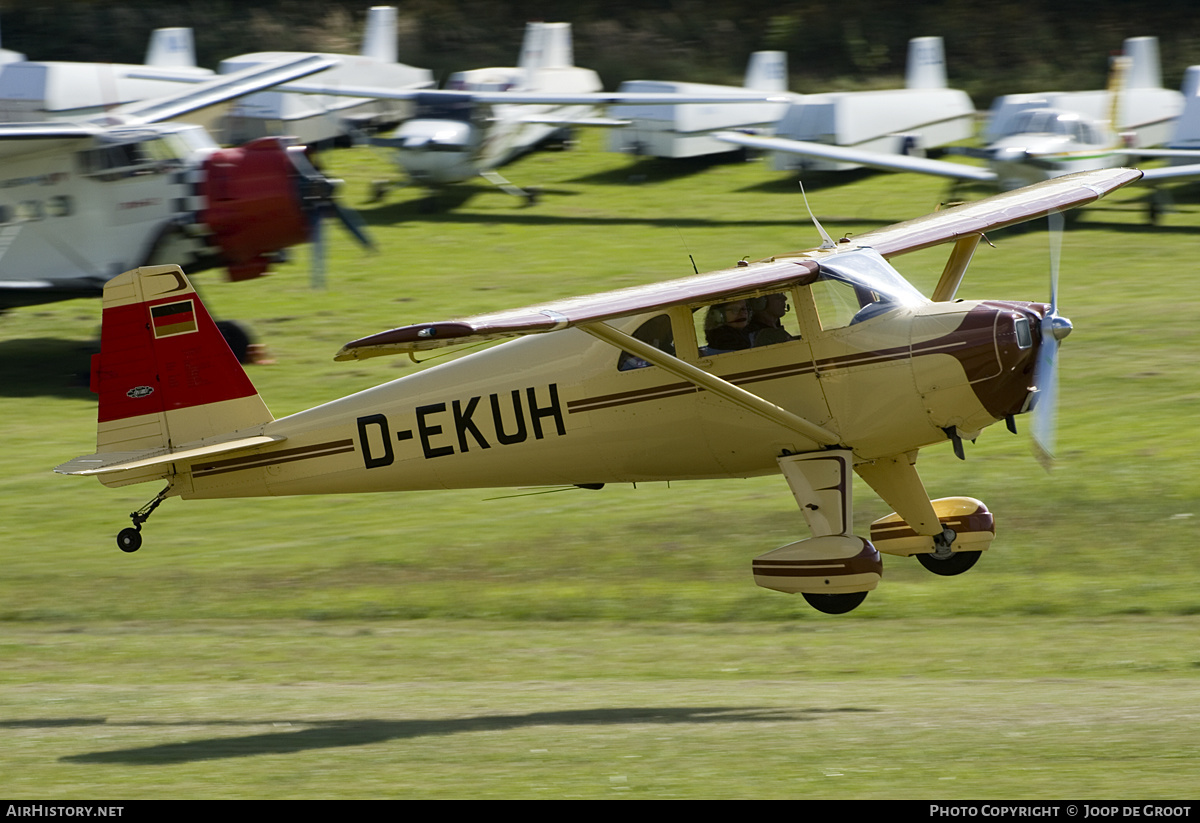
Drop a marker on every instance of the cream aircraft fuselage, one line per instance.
(652, 383)
(556, 409)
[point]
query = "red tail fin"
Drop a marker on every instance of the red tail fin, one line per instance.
(165, 375)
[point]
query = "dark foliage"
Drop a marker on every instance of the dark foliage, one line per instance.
(994, 48)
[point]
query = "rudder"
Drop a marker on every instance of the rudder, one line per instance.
(164, 375)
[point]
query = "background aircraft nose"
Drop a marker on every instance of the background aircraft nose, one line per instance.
(264, 197)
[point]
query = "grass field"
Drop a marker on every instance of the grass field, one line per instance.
(612, 644)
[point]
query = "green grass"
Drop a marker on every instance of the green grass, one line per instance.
(612, 643)
(1111, 531)
(998, 708)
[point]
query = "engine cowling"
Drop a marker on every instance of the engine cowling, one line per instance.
(255, 202)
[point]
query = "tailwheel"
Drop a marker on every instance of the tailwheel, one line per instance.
(839, 603)
(950, 565)
(129, 540)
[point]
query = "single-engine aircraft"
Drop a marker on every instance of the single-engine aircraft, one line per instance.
(82, 201)
(662, 382)
(1036, 144)
(322, 120)
(925, 113)
(489, 117)
(34, 91)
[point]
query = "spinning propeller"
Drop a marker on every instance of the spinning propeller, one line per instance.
(1045, 375)
(317, 196)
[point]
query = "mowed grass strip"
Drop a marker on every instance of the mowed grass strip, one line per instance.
(965, 708)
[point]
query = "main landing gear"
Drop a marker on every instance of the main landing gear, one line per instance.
(130, 540)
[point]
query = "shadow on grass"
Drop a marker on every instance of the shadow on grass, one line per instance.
(341, 733)
(660, 169)
(46, 367)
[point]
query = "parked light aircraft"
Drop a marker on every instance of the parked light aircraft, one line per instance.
(924, 113)
(320, 120)
(685, 129)
(642, 384)
(34, 91)
(1040, 143)
(489, 117)
(83, 201)
(1144, 113)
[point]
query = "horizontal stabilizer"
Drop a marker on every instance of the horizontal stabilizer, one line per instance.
(109, 462)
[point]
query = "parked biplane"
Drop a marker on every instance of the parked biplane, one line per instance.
(662, 382)
(82, 201)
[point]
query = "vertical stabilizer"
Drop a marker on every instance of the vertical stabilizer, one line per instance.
(532, 47)
(165, 375)
(926, 64)
(1145, 70)
(558, 49)
(171, 48)
(1187, 127)
(767, 71)
(379, 38)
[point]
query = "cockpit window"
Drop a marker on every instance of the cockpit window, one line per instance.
(752, 323)
(657, 332)
(128, 155)
(858, 286)
(1053, 121)
(435, 106)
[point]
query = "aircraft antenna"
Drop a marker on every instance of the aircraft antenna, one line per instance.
(826, 240)
(688, 250)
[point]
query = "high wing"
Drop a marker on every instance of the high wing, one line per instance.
(997, 211)
(17, 138)
(593, 98)
(845, 154)
(220, 90)
(20, 138)
(764, 276)
(575, 311)
(1171, 173)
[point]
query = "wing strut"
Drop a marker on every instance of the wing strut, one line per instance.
(956, 267)
(710, 382)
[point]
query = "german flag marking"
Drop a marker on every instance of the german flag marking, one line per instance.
(170, 319)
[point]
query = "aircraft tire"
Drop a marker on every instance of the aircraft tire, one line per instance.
(129, 540)
(835, 603)
(956, 563)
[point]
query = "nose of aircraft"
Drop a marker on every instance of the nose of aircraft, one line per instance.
(264, 197)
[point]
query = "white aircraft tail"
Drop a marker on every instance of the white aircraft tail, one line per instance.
(379, 37)
(926, 64)
(547, 46)
(153, 399)
(767, 71)
(1187, 127)
(1145, 70)
(171, 48)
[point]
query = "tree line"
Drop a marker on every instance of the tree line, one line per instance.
(994, 48)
